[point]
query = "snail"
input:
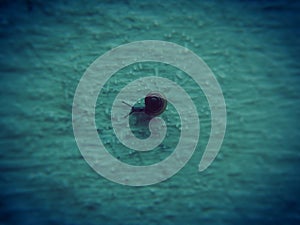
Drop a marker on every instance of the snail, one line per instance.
(155, 104)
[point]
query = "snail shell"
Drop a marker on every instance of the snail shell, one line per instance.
(155, 104)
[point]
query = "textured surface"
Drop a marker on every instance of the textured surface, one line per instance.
(252, 48)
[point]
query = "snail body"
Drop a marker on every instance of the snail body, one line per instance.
(155, 104)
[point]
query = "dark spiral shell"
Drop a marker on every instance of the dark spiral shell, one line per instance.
(155, 104)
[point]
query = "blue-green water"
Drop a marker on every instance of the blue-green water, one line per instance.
(253, 50)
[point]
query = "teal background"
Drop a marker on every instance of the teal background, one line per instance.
(252, 48)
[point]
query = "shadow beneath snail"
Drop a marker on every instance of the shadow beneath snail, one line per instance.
(139, 125)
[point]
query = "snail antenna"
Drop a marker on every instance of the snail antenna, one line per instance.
(129, 106)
